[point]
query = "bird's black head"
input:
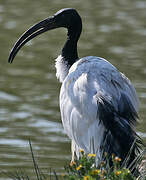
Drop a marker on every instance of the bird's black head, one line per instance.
(67, 18)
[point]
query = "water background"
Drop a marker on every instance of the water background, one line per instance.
(29, 90)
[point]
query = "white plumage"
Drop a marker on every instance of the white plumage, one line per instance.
(88, 79)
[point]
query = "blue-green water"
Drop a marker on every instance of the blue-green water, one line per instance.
(29, 91)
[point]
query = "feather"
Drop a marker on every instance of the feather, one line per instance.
(99, 109)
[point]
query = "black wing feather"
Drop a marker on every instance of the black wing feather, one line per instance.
(119, 136)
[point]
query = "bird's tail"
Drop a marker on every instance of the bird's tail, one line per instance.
(120, 137)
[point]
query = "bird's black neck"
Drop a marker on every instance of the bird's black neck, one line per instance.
(69, 51)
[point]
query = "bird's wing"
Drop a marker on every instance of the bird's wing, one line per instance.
(95, 100)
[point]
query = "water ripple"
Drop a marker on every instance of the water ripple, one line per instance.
(8, 97)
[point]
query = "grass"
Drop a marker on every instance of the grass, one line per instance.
(83, 169)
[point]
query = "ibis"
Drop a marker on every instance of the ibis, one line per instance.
(98, 104)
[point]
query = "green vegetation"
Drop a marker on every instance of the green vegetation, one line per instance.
(83, 169)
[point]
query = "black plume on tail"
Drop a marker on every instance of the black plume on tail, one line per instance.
(120, 137)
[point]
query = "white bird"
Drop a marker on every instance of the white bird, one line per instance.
(98, 104)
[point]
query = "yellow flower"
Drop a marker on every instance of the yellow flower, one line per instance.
(95, 172)
(91, 155)
(86, 177)
(113, 155)
(117, 173)
(72, 163)
(79, 167)
(102, 163)
(117, 159)
(101, 175)
(104, 171)
(81, 150)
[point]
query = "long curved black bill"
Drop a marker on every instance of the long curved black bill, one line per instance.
(32, 32)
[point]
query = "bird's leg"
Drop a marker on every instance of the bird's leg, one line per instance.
(73, 149)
